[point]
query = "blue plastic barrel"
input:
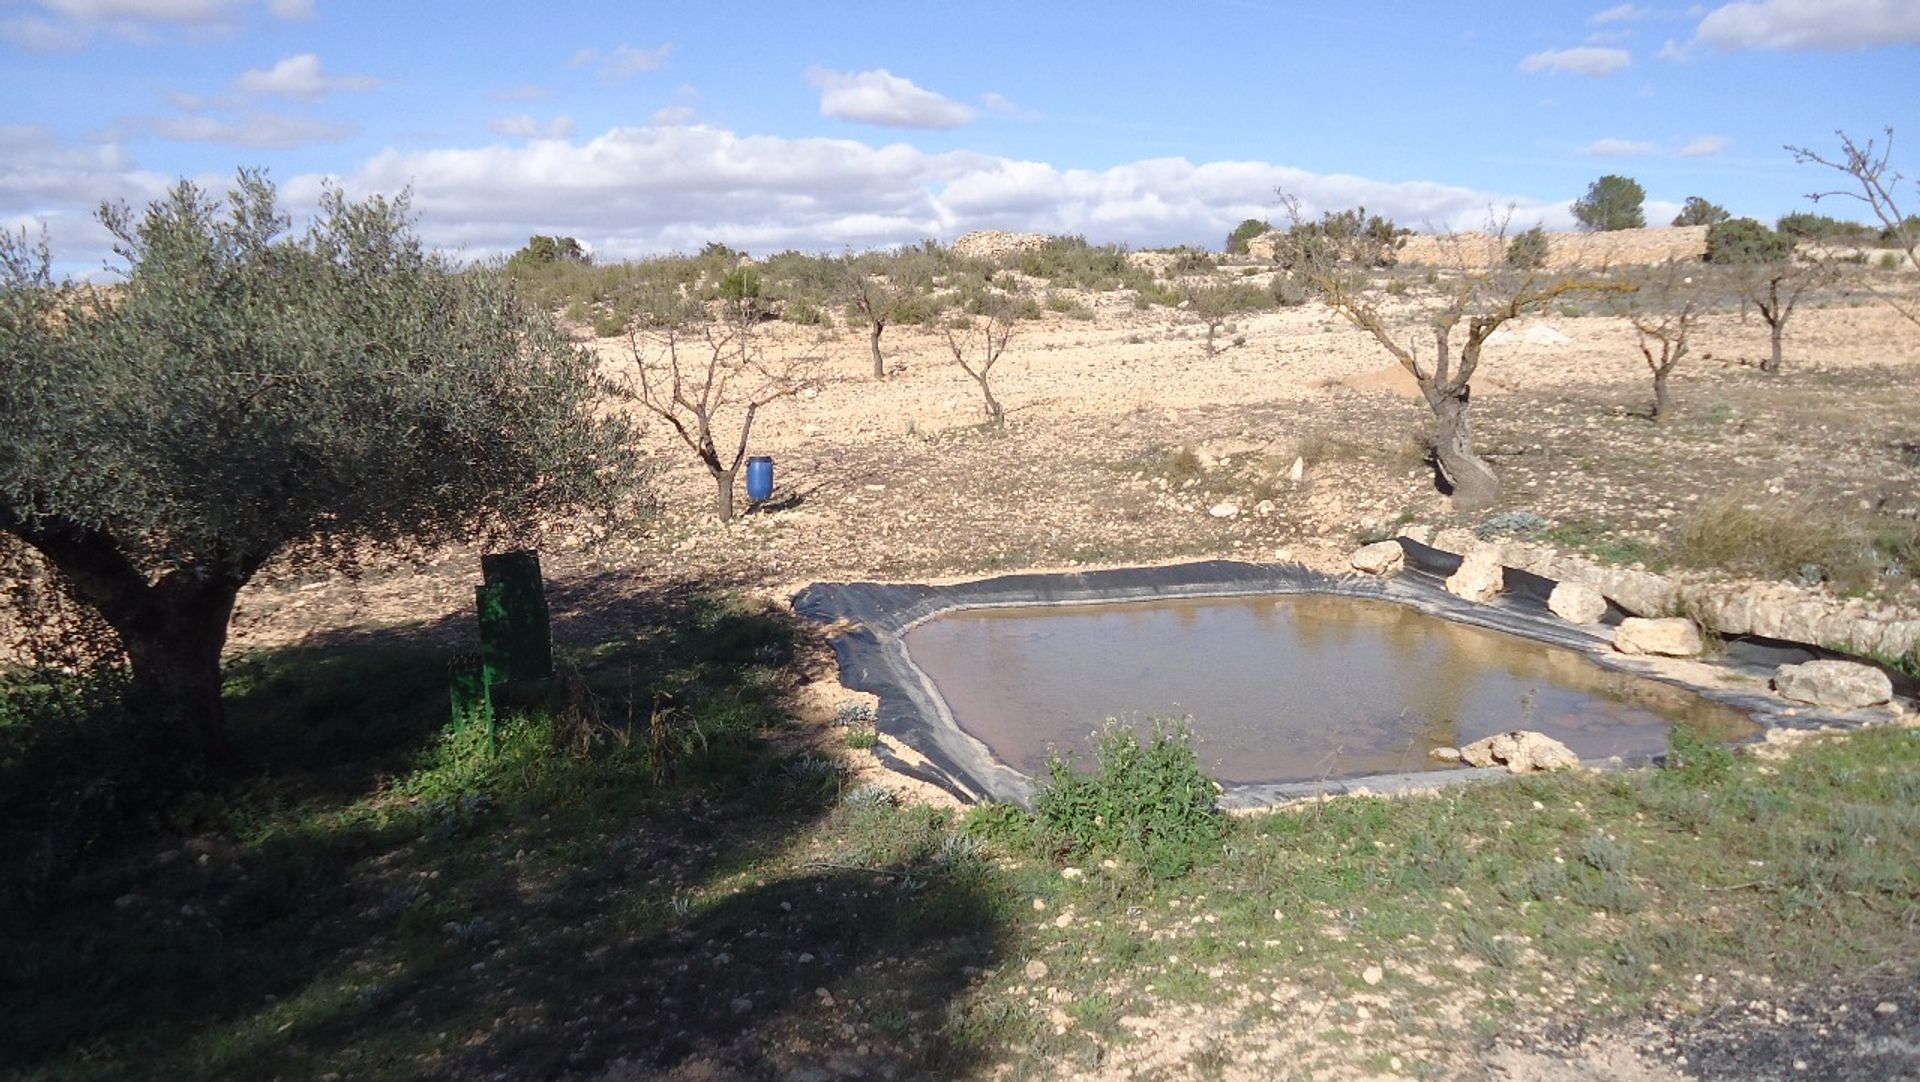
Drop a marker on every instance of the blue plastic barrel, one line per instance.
(759, 478)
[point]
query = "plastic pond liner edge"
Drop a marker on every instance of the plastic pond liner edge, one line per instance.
(872, 619)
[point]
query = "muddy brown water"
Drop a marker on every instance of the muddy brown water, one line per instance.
(1294, 688)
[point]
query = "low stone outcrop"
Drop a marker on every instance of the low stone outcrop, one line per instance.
(1480, 577)
(996, 243)
(1774, 610)
(1672, 636)
(1577, 603)
(1520, 751)
(1380, 558)
(1842, 685)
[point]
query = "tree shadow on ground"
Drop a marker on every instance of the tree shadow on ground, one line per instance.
(370, 899)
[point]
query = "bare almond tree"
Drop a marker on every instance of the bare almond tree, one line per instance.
(1479, 295)
(1666, 309)
(696, 366)
(1877, 186)
(977, 347)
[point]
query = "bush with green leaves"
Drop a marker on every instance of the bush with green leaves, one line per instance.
(1743, 240)
(541, 251)
(1146, 802)
(244, 395)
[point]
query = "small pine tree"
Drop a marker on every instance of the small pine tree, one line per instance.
(1612, 202)
(1698, 211)
(1244, 232)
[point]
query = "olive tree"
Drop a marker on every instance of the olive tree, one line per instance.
(246, 395)
(1479, 295)
(881, 288)
(1215, 305)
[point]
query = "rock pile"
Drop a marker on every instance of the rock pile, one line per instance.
(1520, 751)
(996, 244)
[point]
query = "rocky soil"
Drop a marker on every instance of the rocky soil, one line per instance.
(1125, 444)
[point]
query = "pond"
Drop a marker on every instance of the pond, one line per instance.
(1295, 687)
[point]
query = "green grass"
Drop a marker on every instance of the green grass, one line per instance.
(382, 899)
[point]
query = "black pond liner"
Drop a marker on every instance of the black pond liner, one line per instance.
(870, 645)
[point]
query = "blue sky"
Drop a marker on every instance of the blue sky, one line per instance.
(651, 127)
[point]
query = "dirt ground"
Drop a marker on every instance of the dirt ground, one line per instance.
(1303, 439)
(896, 479)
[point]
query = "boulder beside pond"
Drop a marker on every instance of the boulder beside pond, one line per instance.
(1841, 685)
(1520, 751)
(1481, 576)
(1379, 558)
(1577, 603)
(1672, 636)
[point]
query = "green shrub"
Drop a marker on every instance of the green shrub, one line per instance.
(1150, 804)
(1695, 759)
(1743, 240)
(1002, 824)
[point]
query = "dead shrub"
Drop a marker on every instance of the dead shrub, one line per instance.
(1789, 540)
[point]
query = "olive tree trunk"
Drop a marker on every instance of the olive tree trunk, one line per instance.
(173, 630)
(1475, 486)
(873, 340)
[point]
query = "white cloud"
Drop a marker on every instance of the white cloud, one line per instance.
(681, 110)
(300, 77)
(623, 61)
(522, 126)
(1584, 60)
(1620, 13)
(68, 25)
(628, 61)
(39, 35)
(881, 97)
(259, 130)
(1705, 146)
(1810, 24)
(639, 191)
(47, 183)
(148, 11)
(523, 92)
(1618, 148)
(1000, 105)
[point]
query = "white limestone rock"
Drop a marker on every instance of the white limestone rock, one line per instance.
(1480, 578)
(1671, 636)
(1380, 558)
(1841, 685)
(1577, 603)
